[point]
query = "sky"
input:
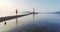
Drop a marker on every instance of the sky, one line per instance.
(27, 5)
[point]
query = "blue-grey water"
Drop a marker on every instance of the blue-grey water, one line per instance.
(38, 23)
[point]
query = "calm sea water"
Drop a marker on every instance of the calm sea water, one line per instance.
(38, 23)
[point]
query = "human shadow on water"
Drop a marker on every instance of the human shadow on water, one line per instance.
(38, 27)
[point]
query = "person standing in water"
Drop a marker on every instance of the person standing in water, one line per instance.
(16, 16)
(16, 12)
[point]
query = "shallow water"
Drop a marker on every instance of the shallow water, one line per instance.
(38, 23)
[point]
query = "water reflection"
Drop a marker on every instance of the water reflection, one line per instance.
(16, 21)
(33, 17)
(41, 23)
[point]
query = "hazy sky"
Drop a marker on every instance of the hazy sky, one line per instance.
(41, 5)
